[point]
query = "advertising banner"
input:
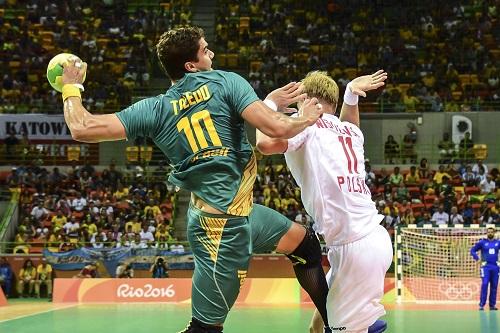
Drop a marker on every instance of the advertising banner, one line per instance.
(253, 291)
(110, 258)
(260, 291)
(37, 126)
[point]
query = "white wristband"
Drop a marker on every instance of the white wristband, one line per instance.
(271, 104)
(349, 97)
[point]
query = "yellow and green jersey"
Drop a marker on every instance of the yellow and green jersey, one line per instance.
(197, 123)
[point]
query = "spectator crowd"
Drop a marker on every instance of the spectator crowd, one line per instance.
(114, 37)
(453, 194)
(439, 58)
(62, 211)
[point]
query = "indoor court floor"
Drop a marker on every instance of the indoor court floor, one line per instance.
(23, 316)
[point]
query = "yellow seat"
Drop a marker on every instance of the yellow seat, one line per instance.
(255, 65)
(102, 42)
(456, 95)
(244, 23)
(464, 79)
(480, 151)
(146, 153)
(221, 60)
(232, 60)
(165, 6)
(351, 73)
(495, 54)
(489, 41)
(315, 48)
(404, 87)
(32, 78)
(132, 153)
(301, 57)
(73, 153)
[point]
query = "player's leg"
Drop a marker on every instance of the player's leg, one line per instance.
(20, 287)
(221, 247)
(303, 249)
(484, 286)
(357, 283)
(37, 288)
(493, 287)
(7, 285)
(31, 286)
(48, 283)
(316, 325)
(273, 231)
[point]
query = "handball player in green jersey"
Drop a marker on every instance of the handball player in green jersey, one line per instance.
(199, 123)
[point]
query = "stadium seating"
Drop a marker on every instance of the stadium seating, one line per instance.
(275, 178)
(294, 37)
(114, 40)
(109, 202)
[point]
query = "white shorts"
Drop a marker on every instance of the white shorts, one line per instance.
(356, 281)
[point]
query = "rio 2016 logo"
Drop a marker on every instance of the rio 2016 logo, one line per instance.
(127, 291)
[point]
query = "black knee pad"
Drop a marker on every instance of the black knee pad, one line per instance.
(308, 253)
(196, 326)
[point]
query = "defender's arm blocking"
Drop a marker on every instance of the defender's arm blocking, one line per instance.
(358, 87)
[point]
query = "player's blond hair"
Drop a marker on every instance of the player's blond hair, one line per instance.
(321, 85)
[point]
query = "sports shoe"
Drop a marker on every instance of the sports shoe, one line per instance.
(493, 308)
(481, 308)
(377, 327)
(196, 326)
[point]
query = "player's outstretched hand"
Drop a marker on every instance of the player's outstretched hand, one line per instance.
(73, 71)
(312, 110)
(287, 95)
(360, 85)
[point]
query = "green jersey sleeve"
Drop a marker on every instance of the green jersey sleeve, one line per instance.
(240, 93)
(139, 119)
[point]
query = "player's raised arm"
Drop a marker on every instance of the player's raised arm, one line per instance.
(83, 125)
(266, 144)
(273, 124)
(358, 87)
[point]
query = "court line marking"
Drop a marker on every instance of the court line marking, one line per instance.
(37, 313)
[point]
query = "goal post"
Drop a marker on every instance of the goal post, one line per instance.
(434, 265)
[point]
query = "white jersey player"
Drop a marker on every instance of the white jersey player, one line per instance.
(327, 162)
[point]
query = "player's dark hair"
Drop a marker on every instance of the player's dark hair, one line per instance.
(176, 47)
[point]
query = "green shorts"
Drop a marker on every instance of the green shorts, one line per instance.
(222, 246)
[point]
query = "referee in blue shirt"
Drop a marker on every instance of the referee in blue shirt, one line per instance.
(489, 270)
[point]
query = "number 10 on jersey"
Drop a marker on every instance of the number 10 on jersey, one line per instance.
(190, 124)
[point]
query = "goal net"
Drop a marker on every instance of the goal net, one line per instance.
(434, 265)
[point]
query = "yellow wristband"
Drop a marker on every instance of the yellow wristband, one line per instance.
(70, 90)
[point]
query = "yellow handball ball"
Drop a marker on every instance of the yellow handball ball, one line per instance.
(55, 69)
